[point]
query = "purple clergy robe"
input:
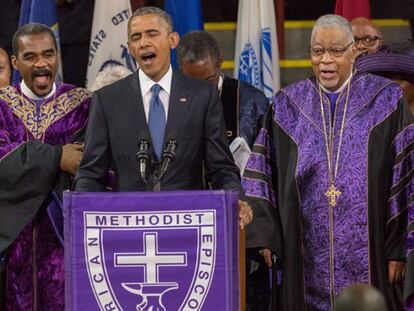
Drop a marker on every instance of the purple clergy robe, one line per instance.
(409, 275)
(31, 142)
(324, 249)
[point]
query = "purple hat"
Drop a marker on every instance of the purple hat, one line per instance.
(398, 58)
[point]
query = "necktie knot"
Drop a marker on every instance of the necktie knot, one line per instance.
(155, 90)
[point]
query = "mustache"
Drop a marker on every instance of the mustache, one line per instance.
(41, 72)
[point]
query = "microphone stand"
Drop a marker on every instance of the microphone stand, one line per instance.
(168, 156)
(143, 158)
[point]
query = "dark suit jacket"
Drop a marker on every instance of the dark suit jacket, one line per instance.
(195, 119)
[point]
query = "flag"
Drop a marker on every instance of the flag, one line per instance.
(351, 9)
(40, 11)
(109, 38)
(186, 16)
(256, 54)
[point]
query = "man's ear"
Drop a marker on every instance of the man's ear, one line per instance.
(14, 62)
(354, 53)
(174, 39)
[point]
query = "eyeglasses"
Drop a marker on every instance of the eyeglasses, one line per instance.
(335, 52)
(367, 40)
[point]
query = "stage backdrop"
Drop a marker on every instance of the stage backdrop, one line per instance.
(151, 251)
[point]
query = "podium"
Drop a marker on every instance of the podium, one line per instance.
(151, 251)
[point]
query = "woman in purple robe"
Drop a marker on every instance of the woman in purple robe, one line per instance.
(396, 62)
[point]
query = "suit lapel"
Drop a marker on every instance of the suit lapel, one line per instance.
(134, 111)
(179, 102)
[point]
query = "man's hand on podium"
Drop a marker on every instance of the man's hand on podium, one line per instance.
(245, 214)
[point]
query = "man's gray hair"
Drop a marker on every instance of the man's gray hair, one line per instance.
(146, 10)
(196, 46)
(333, 21)
(110, 74)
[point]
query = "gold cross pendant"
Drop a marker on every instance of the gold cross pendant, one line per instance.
(332, 194)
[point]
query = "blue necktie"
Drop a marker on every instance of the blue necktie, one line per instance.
(156, 120)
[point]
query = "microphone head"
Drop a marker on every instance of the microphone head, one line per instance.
(169, 151)
(172, 138)
(143, 136)
(172, 143)
(143, 145)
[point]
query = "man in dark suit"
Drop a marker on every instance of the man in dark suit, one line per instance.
(244, 106)
(158, 105)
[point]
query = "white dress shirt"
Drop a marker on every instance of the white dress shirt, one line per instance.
(146, 84)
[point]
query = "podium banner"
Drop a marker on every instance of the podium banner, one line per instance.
(151, 251)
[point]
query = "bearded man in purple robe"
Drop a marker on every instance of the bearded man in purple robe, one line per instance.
(330, 178)
(40, 121)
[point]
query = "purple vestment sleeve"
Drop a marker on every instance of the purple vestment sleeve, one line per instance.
(258, 183)
(402, 204)
(402, 185)
(12, 134)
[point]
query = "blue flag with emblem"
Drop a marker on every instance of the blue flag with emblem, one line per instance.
(44, 12)
(256, 58)
(187, 16)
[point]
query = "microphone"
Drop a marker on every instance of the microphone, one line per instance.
(143, 156)
(168, 156)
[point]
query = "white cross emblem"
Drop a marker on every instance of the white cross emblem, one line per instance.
(151, 259)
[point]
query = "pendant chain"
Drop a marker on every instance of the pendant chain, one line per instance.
(332, 191)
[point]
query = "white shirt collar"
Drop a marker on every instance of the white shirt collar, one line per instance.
(146, 83)
(28, 92)
(340, 89)
(220, 82)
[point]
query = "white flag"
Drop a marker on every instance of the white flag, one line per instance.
(256, 58)
(109, 37)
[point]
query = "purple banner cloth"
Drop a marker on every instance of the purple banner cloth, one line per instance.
(151, 251)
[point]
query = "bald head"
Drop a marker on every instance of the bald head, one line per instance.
(360, 297)
(5, 72)
(368, 37)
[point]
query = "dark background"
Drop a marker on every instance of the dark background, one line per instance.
(75, 22)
